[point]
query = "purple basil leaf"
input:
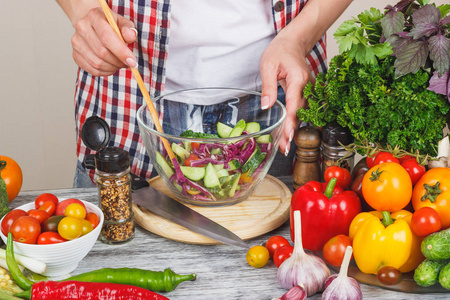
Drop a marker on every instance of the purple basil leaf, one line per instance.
(411, 57)
(397, 41)
(426, 21)
(439, 46)
(423, 29)
(445, 20)
(403, 5)
(392, 22)
(440, 84)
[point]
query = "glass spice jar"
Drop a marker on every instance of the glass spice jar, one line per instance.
(334, 140)
(112, 175)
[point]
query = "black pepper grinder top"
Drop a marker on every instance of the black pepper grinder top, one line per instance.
(334, 135)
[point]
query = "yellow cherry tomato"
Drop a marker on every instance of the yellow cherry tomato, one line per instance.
(75, 210)
(70, 228)
(257, 256)
(87, 227)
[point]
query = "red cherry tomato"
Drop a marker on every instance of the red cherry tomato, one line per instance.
(93, 218)
(39, 214)
(42, 198)
(370, 161)
(49, 207)
(61, 207)
(10, 217)
(342, 176)
(334, 250)
(281, 254)
(405, 158)
(25, 229)
(425, 221)
(191, 157)
(276, 242)
(50, 237)
(384, 157)
(414, 170)
(389, 275)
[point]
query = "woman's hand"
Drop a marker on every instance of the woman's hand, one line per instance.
(96, 47)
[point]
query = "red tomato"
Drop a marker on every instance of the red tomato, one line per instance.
(39, 214)
(42, 198)
(50, 237)
(191, 157)
(281, 254)
(334, 250)
(389, 275)
(384, 157)
(93, 218)
(276, 242)
(370, 161)
(342, 175)
(25, 229)
(11, 173)
(414, 170)
(49, 207)
(405, 158)
(61, 206)
(425, 221)
(195, 145)
(10, 217)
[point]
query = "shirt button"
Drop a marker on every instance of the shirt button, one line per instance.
(279, 6)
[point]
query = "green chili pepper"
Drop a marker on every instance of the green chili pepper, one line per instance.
(156, 281)
(23, 282)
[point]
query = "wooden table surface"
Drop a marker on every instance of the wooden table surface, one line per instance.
(222, 270)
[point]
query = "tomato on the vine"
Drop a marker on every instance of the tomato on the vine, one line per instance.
(387, 187)
(384, 157)
(25, 229)
(281, 254)
(11, 173)
(42, 198)
(40, 215)
(50, 237)
(257, 256)
(425, 221)
(414, 169)
(342, 176)
(276, 242)
(10, 217)
(334, 250)
(370, 160)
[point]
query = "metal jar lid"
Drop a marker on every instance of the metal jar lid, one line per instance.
(334, 135)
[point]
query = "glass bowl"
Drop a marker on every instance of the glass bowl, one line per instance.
(225, 166)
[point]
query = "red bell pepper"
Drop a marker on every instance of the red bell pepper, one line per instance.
(327, 210)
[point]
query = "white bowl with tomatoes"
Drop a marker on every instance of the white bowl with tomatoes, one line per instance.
(60, 251)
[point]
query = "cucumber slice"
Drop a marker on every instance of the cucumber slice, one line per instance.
(187, 146)
(264, 139)
(238, 128)
(182, 153)
(218, 167)
(252, 127)
(233, 184)
(216, 151)
(253, 162)
(211, 180)
(193, 173)
(162, 162)
(233, 165)
(223, 130)
(222, 173)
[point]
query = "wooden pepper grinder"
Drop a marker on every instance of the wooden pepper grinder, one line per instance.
(307, 165)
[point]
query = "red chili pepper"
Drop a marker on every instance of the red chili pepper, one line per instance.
(326, 211)
(75, 290)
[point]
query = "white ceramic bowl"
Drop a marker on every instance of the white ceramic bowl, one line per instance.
(61, 258)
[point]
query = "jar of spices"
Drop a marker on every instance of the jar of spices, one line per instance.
(334, 140)
(113, 179)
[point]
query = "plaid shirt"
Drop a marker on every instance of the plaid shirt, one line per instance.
(116, 98)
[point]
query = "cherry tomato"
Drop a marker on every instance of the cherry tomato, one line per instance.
(93, 218)
(370, 160)
(276, 242)
(191, 157)
(61, 207)
(50, 237)
(384, 157)
(10, 217)
(281, 254)
(342, 176)
(425, 221)
(257, 256)
(87, 227)
(42, 198)
(405, 158)
(51, 224)
(414, 170)
(25, 229)
(70, 228)
(49, 207)
(334, 250)
(75, 210)
(40, 215)
(12, 175)
(387, 187)
(389, 275)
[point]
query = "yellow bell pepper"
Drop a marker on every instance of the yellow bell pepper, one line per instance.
(378, 243)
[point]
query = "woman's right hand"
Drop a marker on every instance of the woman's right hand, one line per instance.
(96, 47)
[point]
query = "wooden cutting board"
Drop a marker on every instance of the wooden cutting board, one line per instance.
(265, 210)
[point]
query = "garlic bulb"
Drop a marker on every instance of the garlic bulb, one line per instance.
(295, 293)
(302, 268)
(341, 286)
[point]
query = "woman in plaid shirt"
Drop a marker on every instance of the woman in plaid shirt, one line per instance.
(275, 46)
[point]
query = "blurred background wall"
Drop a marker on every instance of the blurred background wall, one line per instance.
(37, 82)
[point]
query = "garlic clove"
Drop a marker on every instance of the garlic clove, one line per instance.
(295, 293)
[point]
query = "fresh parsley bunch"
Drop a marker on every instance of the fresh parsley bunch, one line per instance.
(364, 90)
